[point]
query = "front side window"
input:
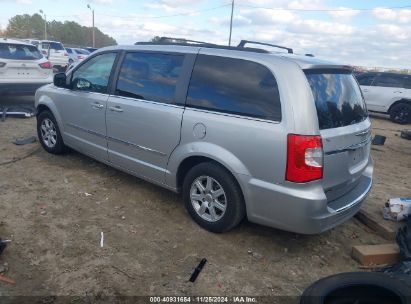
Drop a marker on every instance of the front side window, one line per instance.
(94, 75)
(149, 76)
(388, 81)
(234, 86)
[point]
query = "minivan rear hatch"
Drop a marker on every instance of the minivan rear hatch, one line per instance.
(344, 128)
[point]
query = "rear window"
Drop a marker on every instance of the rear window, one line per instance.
(83, 52)
(19, 52)
(234, 86)
(52, 45)
(338, 98)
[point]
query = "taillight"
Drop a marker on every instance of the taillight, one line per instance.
(45, 65)
(80, 57)
(2, 64)
(44, 52)
(65, 54)
(304, 158)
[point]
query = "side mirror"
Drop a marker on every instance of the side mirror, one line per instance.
(60, 80)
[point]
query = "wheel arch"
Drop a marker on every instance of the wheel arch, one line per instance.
(403, 100)
(187, 156)
(45, 103)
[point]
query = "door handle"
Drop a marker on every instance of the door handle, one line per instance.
(97, 105)
(398, 92)
(365, 90)
(116, 109)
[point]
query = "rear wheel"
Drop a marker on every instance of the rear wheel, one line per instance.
(213, 198)
(49, 133)
(401, 113)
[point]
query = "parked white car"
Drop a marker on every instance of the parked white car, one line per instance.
(77, 54)
(56, 53)
(23, 68)
(388, 93)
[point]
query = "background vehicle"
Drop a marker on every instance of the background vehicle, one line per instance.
(388, 93)
(23, 68)
(77, 54)
(35, 42)
(281, 138)
(56, 53)
(91, 49)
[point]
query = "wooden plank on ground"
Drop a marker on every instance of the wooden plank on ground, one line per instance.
(384, 254)
(377, 225)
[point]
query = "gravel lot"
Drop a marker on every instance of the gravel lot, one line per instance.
(55, 207)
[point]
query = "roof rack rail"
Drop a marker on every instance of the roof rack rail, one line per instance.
(171, 40)
(244, 42)
(187, 42)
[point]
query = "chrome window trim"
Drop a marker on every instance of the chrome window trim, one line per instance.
(88, 92)
(148, 101)
(351, 147)
(233, 115)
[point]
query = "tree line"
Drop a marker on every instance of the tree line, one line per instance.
(68, 32)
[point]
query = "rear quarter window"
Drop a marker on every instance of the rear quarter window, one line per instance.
(234, 86)
(337, 97)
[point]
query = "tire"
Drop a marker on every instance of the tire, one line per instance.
(358, 287)
(49, 134)
(207, 211)
(401, 113)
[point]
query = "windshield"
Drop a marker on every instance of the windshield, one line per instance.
(19, 52)
(338, 98)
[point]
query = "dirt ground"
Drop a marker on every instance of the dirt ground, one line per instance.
(55, 207)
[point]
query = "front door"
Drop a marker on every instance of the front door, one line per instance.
(83, 107)
(144, 114)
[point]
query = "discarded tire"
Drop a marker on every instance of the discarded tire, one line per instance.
(358, 288)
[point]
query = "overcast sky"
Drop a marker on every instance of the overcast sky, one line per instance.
(377, 37)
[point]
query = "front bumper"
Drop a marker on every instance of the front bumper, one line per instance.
(302, 208)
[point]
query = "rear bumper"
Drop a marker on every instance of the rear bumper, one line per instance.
(302, 208)
(17, 89)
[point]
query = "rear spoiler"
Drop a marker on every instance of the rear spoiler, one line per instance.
(321, 68)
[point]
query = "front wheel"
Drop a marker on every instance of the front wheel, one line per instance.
(49, 133)
(213, 198)
(401, 113)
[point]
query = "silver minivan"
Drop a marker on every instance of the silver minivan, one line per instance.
(279, 138)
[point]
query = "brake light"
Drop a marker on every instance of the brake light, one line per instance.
(45, 65)
(44, 52)
(65, 54)
(304, 158)
(80, 57)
